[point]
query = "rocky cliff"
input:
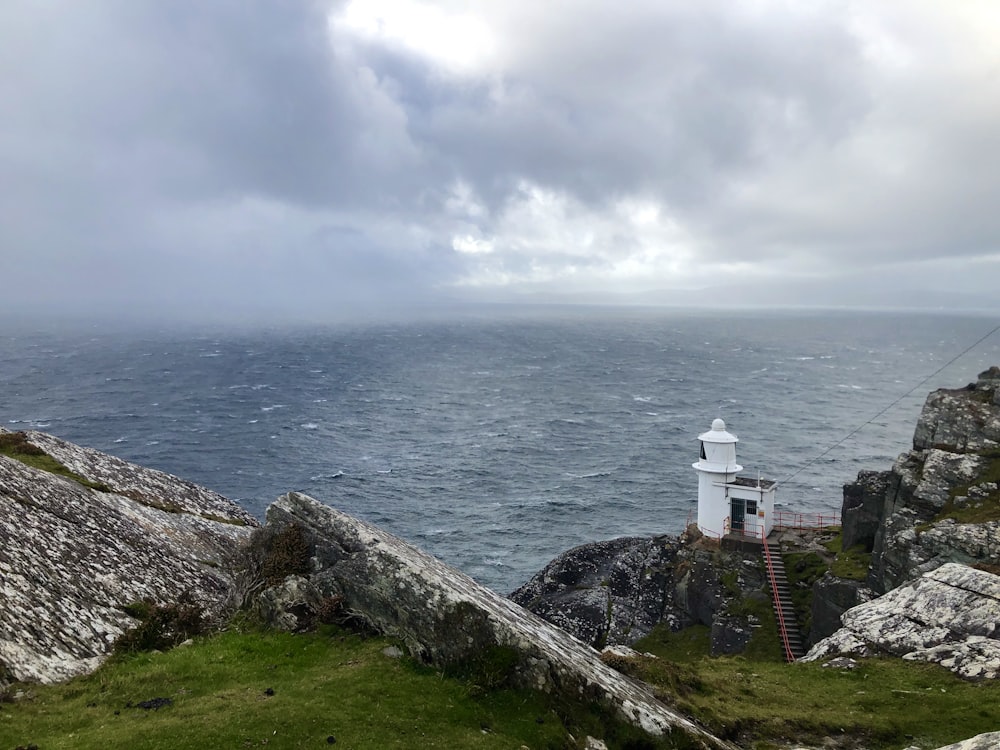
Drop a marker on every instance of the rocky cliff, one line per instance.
(948, 616)
(78, 549)
(616, 592)
(940, 502)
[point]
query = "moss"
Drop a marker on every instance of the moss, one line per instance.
(223, 519)
(17, 446)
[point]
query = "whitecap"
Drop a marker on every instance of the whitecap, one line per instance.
(120, 440)
(642, 399)
(335, 475)
(153, 442)
(590, 475)
(309, 426)
(272, 407)
(253, 421)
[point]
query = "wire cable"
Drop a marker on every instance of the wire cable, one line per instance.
(860, 427)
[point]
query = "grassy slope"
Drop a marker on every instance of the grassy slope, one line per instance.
(324, 685)
(884, 703)
(338, 684)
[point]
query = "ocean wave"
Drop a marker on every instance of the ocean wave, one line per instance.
(319, 477)
(589, 475)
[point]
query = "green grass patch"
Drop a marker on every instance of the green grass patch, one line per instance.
(852, 563)
(250, 689)
(17, 446)
(289, 691)
(884, 704)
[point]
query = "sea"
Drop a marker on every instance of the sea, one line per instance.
(497, 438)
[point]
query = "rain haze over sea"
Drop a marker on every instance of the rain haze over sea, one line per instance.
(496, 442)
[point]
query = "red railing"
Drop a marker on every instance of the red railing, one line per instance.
(782, 630)
(786, 519)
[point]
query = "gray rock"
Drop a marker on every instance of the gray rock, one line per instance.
(608, 592)
(953, 463)
(961, 420)
(617, 591)
(832, 597)
(71, 557)
(861, 512)
(948, 616)
(293, 605)
(841, 662)
(988, 741)
(444, 617)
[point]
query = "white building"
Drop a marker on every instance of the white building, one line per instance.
(728, 503)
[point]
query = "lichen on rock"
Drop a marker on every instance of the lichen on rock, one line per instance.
(72, 559)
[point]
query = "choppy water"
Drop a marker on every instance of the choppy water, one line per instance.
(497, 442)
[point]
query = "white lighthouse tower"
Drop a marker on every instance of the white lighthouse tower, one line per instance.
(727, 503)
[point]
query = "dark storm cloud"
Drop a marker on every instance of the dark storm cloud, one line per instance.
(672, 100)
(274, 157)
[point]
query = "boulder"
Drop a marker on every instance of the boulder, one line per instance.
(987, 741)
(609, 592)
(947, 616)
(443, 617)
(73, 558)
(615, 592)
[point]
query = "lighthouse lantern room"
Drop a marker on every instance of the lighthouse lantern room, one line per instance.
(728, 503)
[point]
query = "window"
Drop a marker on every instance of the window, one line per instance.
(703, 456)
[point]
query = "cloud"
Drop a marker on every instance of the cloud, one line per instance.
(310, 157)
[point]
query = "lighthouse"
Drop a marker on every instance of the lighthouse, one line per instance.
(728, 503)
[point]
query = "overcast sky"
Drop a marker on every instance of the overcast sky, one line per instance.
(292, 158)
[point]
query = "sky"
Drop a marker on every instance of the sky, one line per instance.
(289, 158)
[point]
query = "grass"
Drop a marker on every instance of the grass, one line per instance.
(884, 704)
(252, 689)
(17, 446)
(851, 563)
(290, 691)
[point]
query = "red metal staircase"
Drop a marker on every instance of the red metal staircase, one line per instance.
(788, 628)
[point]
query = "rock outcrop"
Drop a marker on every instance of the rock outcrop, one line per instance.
(73, 558)
(905, 516)
(948, 616)
(444, 617)
(987, 741)
(616, 592)
(939, 503)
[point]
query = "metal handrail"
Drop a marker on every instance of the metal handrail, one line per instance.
(786, 519)
(782, 630)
